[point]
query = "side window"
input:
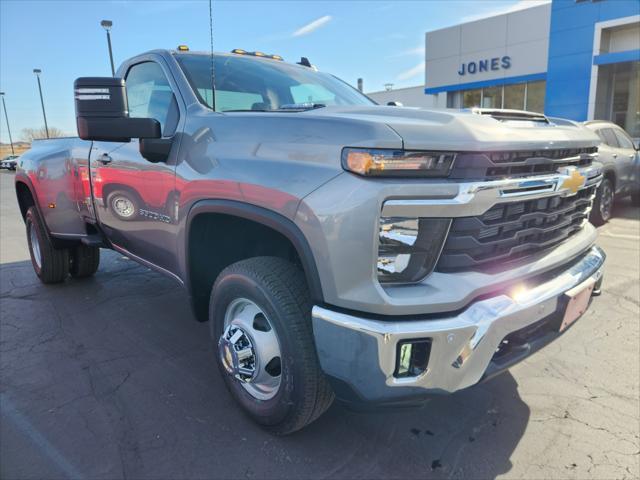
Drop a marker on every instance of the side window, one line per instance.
(609, 137)
(623, 139)
(150, 96)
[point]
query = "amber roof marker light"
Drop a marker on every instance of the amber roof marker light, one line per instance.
(240, 51)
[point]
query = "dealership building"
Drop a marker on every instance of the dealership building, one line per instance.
(577, 59)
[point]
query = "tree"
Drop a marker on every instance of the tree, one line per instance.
(31, 134)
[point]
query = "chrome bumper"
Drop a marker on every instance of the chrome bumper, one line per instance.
(359, 354)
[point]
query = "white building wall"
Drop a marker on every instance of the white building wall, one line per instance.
(409, 97)
(522, 35)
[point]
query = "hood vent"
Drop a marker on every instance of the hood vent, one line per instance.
(511, 115)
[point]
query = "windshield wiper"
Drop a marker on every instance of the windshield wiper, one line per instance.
(246, 110)
(301, 106)
(287, 107)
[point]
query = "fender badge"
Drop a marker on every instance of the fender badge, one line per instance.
(573, 182)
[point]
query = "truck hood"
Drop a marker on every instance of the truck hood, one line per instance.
(422, 129)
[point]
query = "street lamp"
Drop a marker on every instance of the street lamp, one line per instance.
(37, 71)
(107, 24)
(7, 119)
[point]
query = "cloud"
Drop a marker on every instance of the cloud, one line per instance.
(419, 50)
(520, 5)
(412, 72)
(312, 26)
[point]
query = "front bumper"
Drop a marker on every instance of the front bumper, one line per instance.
(359, 355)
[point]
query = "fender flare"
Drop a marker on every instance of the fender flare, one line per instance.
(610, 172)
(21, 178)
(268, 218)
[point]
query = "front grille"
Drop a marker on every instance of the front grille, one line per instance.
(510, 231)
(500, 165)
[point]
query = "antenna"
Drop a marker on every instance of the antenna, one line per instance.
(213, 76)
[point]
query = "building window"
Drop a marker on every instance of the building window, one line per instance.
(492, 97)
(618, 95)
(471, 98)
(514, 96)
(535, 96)
(517, 96)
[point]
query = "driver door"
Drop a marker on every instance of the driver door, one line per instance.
(133, 196)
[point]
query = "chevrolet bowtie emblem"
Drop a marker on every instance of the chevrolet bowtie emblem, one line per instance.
(574, 182)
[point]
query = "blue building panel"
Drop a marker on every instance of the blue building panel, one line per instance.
(572, 17)
(534, 77)
(570, 57)
(617, 57)
(570, 67)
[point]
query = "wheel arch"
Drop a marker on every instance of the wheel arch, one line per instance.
(610, 174)
(26, 196)
(261, 218)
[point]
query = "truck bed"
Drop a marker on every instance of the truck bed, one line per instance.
(58, 170)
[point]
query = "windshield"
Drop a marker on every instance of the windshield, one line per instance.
(250, 84)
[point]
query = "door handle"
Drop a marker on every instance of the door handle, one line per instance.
(105, 159)
(614, 155)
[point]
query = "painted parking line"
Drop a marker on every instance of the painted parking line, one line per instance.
(9, 412)
(619, 235)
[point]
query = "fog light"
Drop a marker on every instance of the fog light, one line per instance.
(412, 357)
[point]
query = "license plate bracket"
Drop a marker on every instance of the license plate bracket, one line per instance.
(577, 301)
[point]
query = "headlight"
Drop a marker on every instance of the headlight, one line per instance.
(408, 248)
(397, 163)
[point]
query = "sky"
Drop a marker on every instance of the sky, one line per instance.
(380, 41)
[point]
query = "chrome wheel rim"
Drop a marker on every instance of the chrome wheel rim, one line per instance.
(123, 206)
(606, 201)
(35, 246)
(249, 349)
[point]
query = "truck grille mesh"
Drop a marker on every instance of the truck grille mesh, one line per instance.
(500, 165)
(510, 231)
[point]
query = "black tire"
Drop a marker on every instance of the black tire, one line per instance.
(279, 289)
(50, 264)
(117, 195)
(603, 204)
(84, 261)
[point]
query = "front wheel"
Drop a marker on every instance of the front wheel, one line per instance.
(603, 205)
(261, 328)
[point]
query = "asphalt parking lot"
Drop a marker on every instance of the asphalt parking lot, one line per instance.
(111, 378)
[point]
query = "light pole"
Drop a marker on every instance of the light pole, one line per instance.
(4, 105)
(37, 71)
(107, 24)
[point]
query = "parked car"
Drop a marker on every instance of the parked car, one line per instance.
(621, 165)
(338, 248)
(9, 162)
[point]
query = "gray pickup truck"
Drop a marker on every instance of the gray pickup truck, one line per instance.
(376, 254)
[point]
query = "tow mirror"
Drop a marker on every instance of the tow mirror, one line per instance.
(102, 112)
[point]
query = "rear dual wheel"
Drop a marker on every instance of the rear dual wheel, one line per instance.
(51, 264)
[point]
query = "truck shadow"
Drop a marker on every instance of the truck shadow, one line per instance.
(110, 377)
